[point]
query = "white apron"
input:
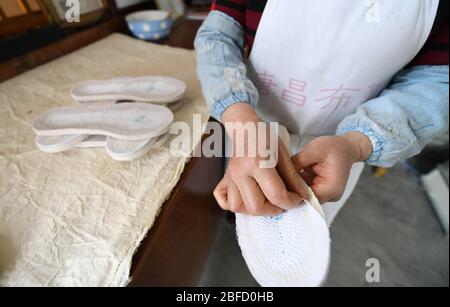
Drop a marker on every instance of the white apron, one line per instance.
(315, 61)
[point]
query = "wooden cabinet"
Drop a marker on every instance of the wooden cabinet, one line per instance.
(18, 16)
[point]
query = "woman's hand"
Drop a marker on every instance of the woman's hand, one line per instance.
(247, 187)
(326, 163)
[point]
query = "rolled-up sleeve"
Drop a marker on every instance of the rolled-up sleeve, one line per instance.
(219, 48)
(406, 116)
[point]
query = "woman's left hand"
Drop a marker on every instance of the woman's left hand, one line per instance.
(326, 163)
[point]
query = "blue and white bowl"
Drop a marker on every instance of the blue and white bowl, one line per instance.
(150, 25)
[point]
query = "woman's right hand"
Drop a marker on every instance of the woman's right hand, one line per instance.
(247, 187)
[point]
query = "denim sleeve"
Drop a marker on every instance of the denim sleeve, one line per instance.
(405, 116)
(219, 47)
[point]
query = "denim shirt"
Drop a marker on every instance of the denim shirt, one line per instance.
(406, 115)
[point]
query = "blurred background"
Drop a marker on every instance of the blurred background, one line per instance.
(27, 25)
(398, 216)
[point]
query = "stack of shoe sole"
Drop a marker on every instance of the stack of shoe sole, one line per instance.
(126, 116)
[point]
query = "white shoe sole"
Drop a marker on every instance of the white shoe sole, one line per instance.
(118, 150)
(130, 150)
(159, 90)
(125, 121)
(291, 250)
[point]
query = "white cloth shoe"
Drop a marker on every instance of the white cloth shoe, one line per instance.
(290, 250)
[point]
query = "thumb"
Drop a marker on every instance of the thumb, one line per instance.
(307, 158)
(288, 172)
(221, 194)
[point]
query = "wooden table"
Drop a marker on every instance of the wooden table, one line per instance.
(176, 248)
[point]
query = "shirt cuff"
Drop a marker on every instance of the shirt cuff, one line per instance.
(220, 106)
(377, 141)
